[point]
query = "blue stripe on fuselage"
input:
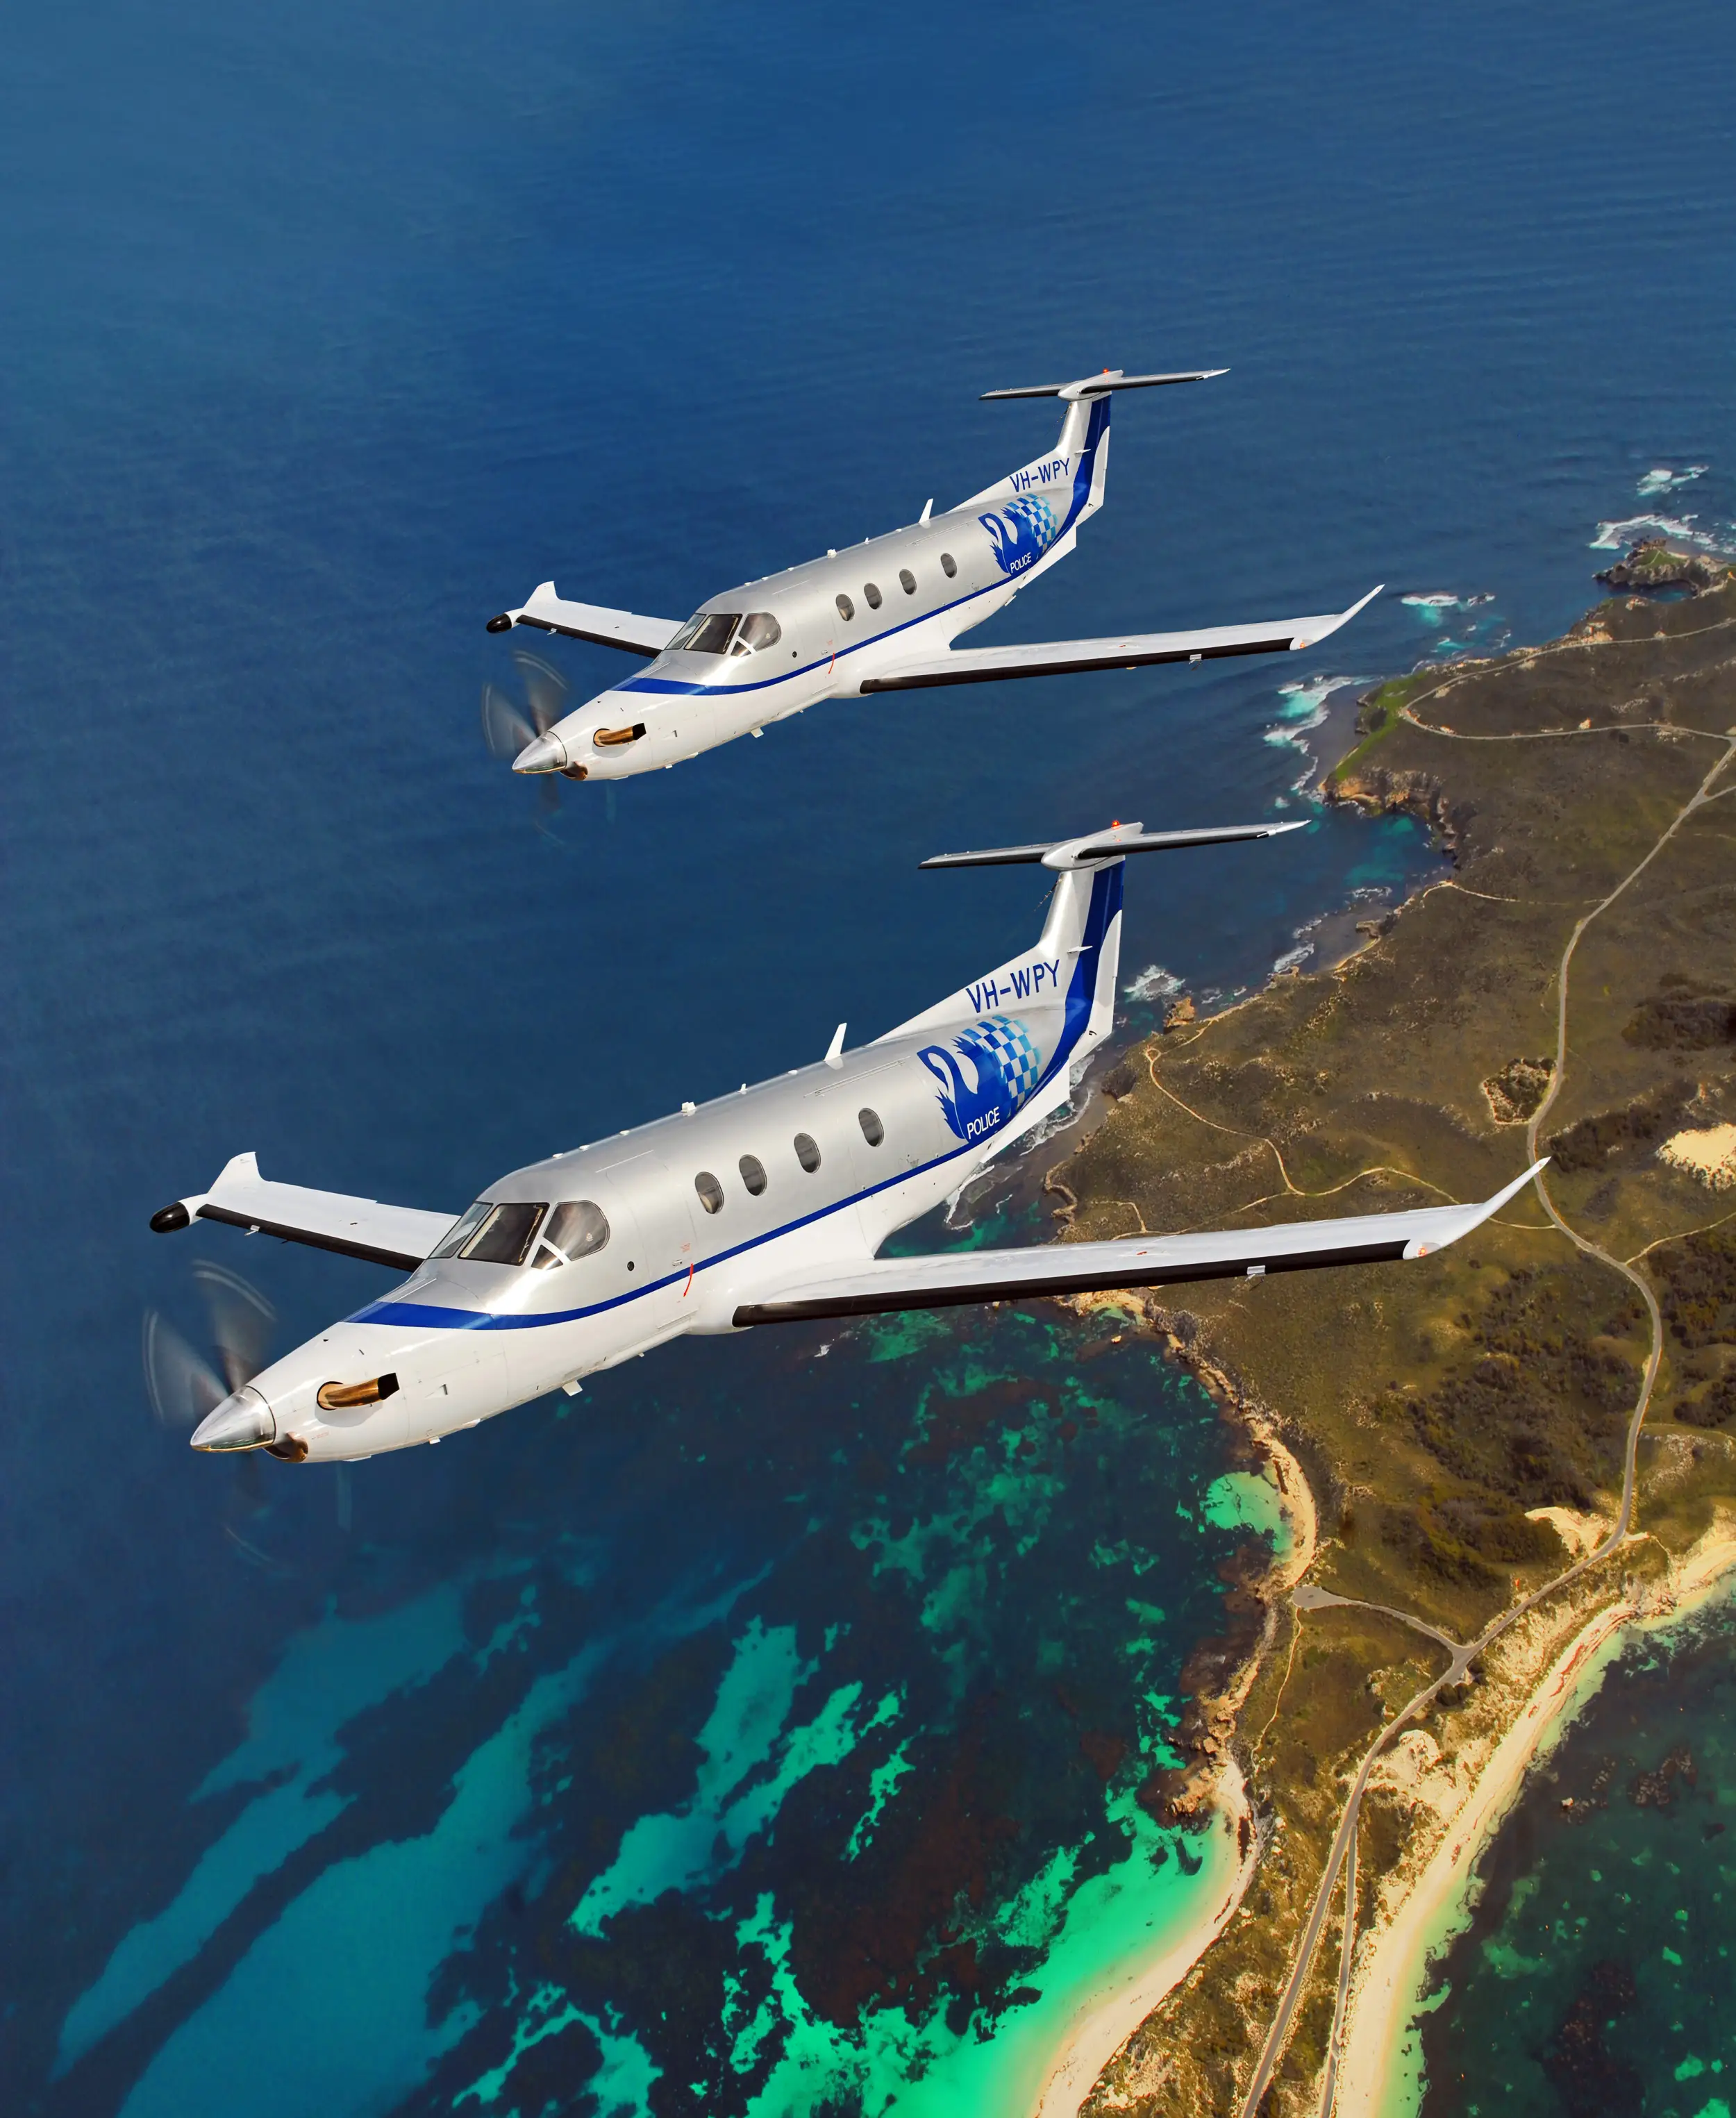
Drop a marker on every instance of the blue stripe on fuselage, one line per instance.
(1099, 426)
(1106, 894)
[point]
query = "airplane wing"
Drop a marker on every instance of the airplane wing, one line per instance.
(1133, 650)
(954, 1278)
(401, 1235)
(549, 612)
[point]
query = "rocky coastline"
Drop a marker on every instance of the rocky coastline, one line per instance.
(1402, 1072)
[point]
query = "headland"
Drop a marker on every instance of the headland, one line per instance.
(1506, 1453)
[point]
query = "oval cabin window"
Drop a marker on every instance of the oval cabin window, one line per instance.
(872, 594)
(846, 609)
(907, 581)
(753, 1173)
(948, 565)
(710, 1191)
(872, 1131)
(807, 1152)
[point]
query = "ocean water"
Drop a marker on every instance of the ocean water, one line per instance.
(766, 1728)
(1596, 1975)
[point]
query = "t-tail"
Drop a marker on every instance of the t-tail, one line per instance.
(1077, 958)
(1074, 472)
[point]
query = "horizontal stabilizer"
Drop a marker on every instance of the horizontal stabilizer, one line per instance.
(401, 1235)
(1133, 650)
(1110, 845)
(549, 612)
(957, 1277)
(1101, 385)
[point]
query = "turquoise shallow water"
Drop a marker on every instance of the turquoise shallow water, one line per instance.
(1597, 1974)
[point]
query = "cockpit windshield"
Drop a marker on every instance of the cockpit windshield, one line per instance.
(725, 632)
(706, 634)
(494, 1235)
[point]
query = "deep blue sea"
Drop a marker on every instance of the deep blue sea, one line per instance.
(762, 1731)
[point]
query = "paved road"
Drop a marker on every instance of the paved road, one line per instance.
(1462, 1656)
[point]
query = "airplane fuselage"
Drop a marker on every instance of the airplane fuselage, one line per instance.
(681, 1220)
(828, 628)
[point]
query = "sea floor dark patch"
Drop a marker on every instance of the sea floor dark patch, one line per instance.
(1596, 1977)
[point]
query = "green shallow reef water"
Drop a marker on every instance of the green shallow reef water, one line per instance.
(1596, 1977)
(819, 1767)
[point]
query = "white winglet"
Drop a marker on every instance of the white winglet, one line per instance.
(834, 1050)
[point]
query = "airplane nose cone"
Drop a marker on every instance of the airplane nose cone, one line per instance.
(242, 1420)
(547, 753)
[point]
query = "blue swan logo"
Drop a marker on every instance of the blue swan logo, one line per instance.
(1022, 534)
(1004, 1064)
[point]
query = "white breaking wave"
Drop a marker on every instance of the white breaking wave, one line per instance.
(1664, 480)
(1292, 958)
(1305, 706)
(1611, 536)
(1154, 983)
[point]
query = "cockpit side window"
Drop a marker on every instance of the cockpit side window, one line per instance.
(760, 629)
(504, 1238)
(577, 1228)
(706, 634)
(463, 1229)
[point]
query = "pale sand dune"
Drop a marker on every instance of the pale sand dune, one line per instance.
(1709, 1155)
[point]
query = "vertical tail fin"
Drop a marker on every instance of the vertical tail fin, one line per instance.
(1070, 481)
(1073, 964)
(1083, 930)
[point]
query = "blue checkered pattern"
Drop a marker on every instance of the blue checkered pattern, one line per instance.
(1037, 516)
(1009, 1044)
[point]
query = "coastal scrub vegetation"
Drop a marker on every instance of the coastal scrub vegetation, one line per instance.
(1462, 1421)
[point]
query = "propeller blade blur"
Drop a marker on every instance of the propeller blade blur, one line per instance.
(504, 727)
(183, 1388)
(242, 1321)
(545, 687)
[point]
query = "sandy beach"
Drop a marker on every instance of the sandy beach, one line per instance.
(1380, 2075)
(1104, 2024)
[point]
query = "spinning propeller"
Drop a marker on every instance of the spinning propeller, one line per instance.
(184, 1387)
(506, 728)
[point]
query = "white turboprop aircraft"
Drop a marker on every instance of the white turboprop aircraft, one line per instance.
(881, 617)
(763, 1207)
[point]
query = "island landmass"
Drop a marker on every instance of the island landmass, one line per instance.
(1495, 1460)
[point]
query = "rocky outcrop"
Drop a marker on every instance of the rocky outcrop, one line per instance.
(1652, 564)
